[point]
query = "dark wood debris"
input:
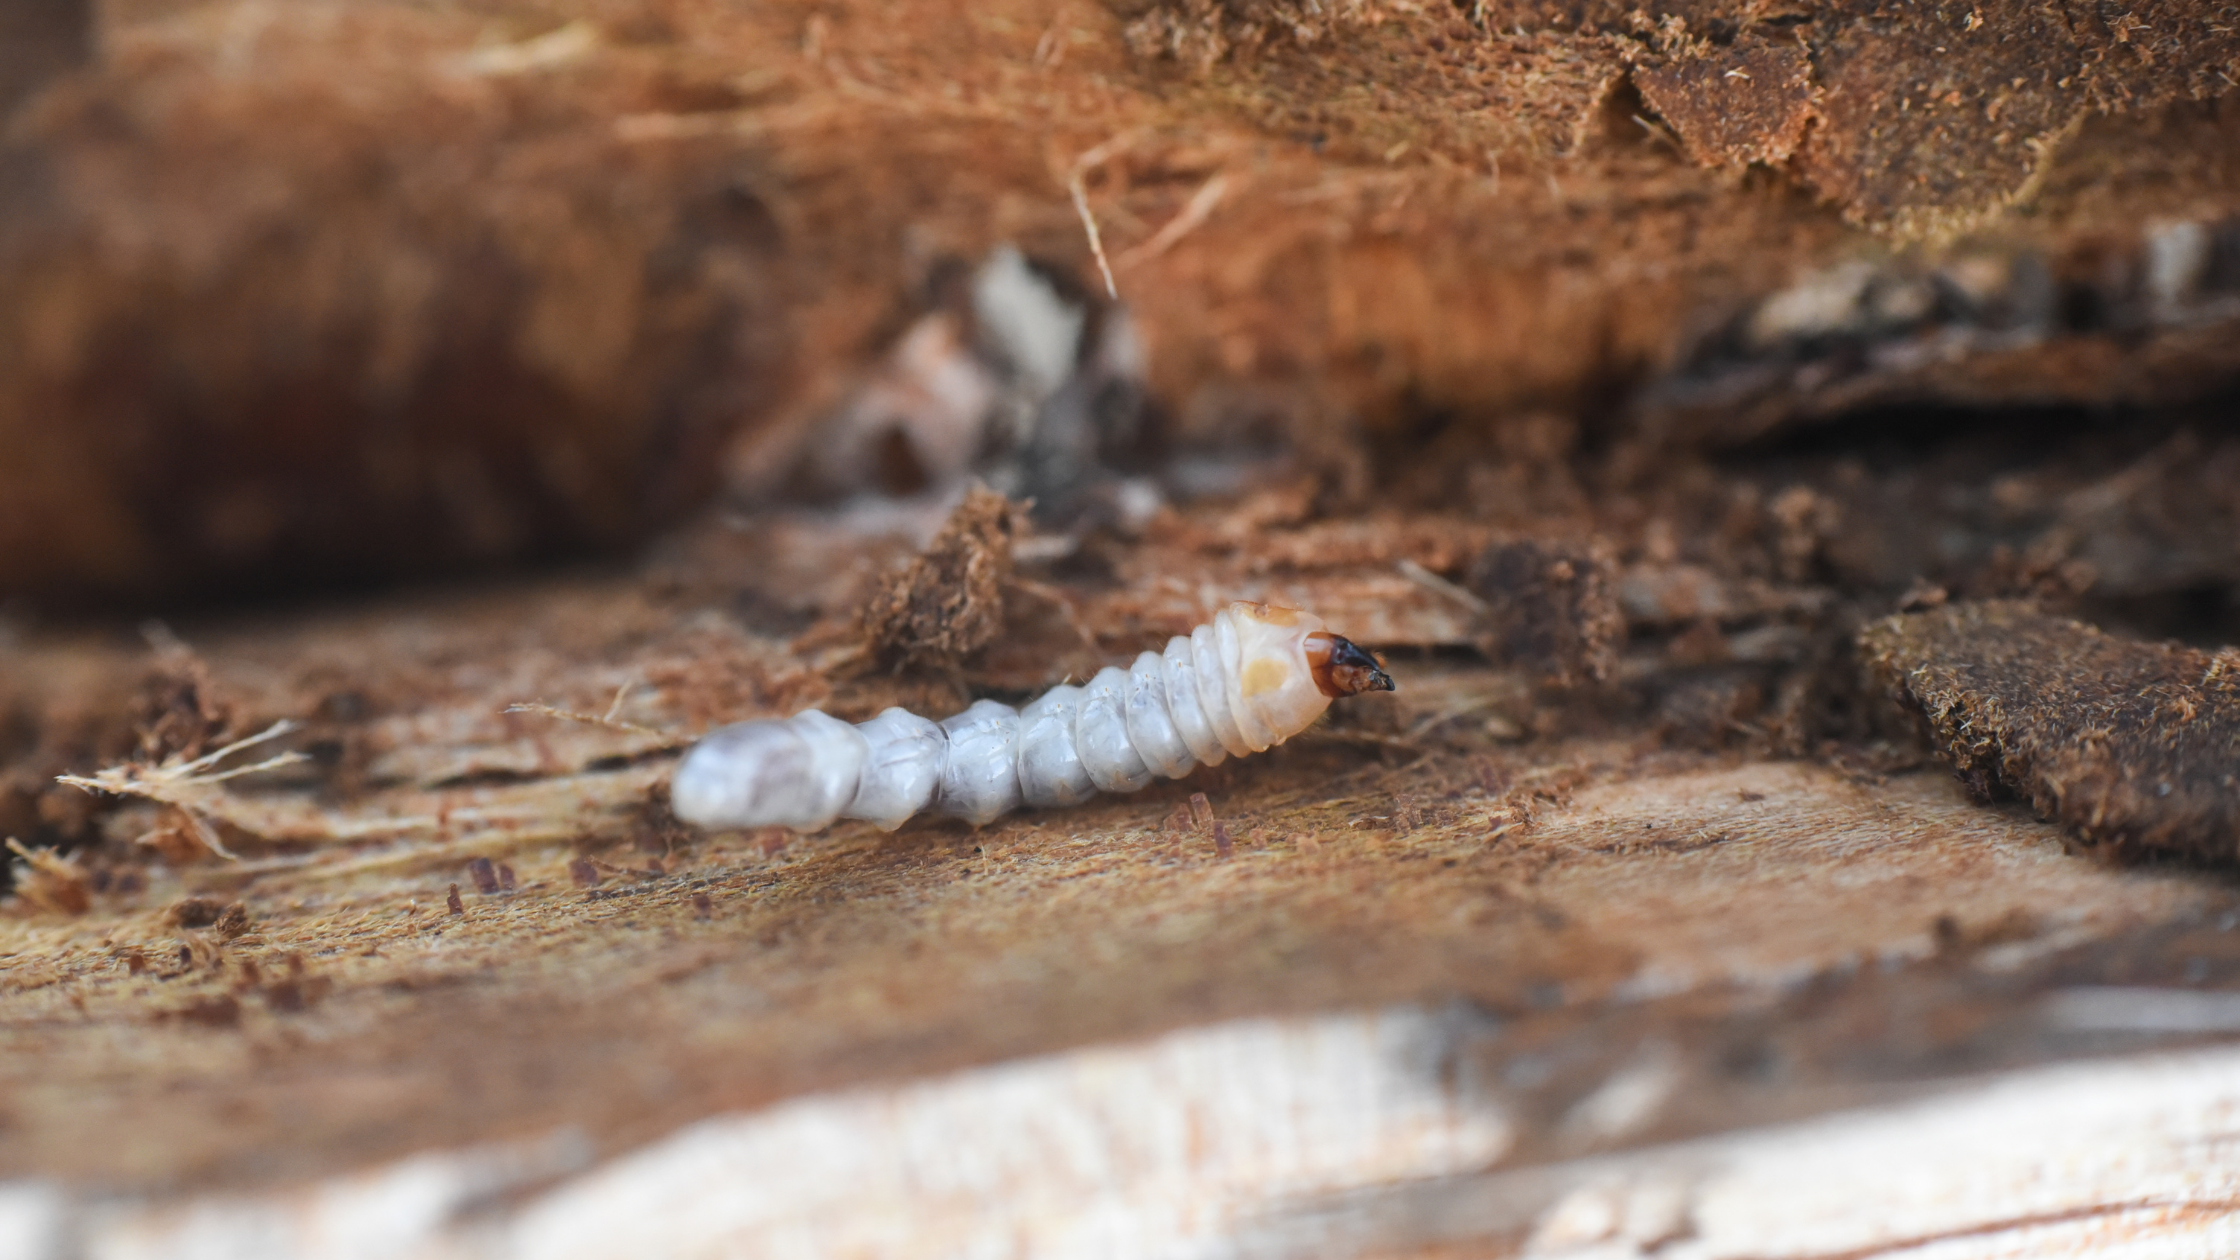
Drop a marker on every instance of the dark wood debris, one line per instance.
(947, 603)
(2132, 746)
(1551, 609)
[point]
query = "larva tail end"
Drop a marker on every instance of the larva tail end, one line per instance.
(1343, 668)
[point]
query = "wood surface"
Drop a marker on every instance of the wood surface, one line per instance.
(1699, 941)
(519, 281)
(1328, 1136)
(408, 413)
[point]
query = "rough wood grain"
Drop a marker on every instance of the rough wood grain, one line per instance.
(1487, 965)
(1565, 883)
(1334, 1136)
(2135, 746)
(507, 284)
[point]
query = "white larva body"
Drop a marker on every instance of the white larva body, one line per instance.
(1237, 685)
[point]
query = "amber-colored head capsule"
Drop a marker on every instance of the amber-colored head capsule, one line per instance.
(1343, 669)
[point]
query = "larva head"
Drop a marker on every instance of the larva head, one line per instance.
(1276, 687)
(1342, 668)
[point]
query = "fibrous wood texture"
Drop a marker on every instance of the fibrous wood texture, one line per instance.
(1606, 370)
(1341, 1135)
(510, 276)
(2131, 745)
(1781, 937)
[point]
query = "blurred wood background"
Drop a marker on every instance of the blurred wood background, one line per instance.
(479, 402)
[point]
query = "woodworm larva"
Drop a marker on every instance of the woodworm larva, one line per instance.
(1251, 678)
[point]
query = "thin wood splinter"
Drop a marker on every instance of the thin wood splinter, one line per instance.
(1251, 678)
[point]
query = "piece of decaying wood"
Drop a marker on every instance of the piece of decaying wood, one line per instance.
(1409, 859)
(1332, 1136)
(672, 977)
(2128, 744)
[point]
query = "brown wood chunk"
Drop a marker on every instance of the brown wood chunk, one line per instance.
(484, 875)
(2130, 745)
(196, 912)
(233, 922)
(1551, 609)
(1734, 106)
(948, 602)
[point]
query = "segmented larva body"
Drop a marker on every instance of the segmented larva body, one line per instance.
(1251, 678)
